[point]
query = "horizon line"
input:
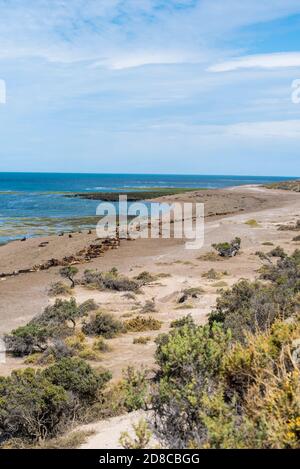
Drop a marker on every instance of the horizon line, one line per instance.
(148, 174)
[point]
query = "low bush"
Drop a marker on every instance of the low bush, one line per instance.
(141, 324)
(212, 274)
(111, 280)
(26, 340)
(59, 289)
(149, 307)
(253, 223)
(35, 405)
(141, 340)
(228, 249)
(103, 324)
(277, 252)
(101, 346)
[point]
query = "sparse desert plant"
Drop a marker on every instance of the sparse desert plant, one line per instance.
(253, 223)
(220, 284)
(69, 272)
(277, 252)
(212, 274)
(141, 439)
(143, 340)
(184, 321)
(149, 307)
(228, 249)
(188, 293)
(145, 277)
(111, 280)
(141, 324)
(59, 289)
(100, 345)
(103, 324)
(210, 257)
(295, 227)
(296, 238)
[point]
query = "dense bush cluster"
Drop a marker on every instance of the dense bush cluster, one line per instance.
(111, 280)
(103, 324)
(235, 382)
(254, 306)
(35, 405)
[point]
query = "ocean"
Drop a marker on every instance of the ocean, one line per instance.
(34, 204)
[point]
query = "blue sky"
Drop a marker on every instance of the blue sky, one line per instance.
(173, 86)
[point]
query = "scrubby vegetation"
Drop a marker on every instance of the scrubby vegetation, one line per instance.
(35, 405)
(212, 274)
(103, 324)
(59, 289)
(111, 280)
(143, 340)
(69, 272)
(141, 324)
(235, 382)
(252, 223)
(57, 321)
(228, 249)
(295, 227)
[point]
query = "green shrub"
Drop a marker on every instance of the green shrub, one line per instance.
(77, 377)
(56, 317)
(32, 407)
(214, 392)
(141, 324)
(184, 321)
(111, 280)
(252, 306)
(103, 324)
(26, 340)
(277, 252)
(228, 249)
(189, 360)
(36, 405)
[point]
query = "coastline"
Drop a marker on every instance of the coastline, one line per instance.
(26, 295)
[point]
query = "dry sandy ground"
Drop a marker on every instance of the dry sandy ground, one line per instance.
(24, 296)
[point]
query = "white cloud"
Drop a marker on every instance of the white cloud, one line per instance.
(288, 129)
(265, 61)
(139, 59)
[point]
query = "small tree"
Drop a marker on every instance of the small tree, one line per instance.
(69, 272)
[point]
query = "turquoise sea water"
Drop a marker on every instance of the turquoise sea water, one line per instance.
(34, 204)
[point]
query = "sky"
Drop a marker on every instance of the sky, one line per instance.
(150, 86)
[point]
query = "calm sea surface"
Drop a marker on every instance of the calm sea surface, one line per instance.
(33, 204)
